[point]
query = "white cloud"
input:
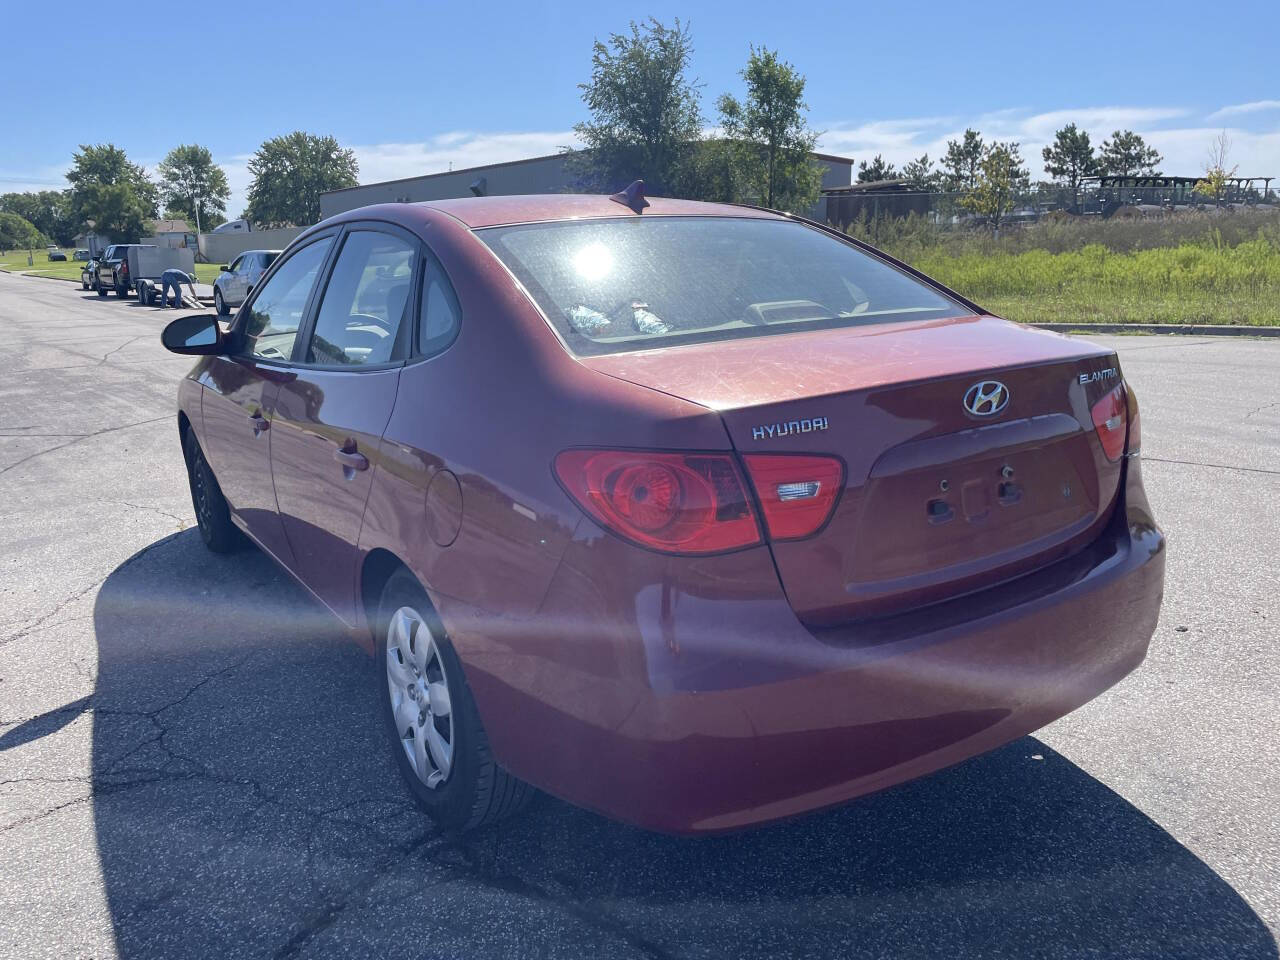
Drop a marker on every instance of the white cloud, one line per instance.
(1239, 109)
(1183, 147)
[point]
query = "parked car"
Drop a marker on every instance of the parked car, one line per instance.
(235, 281)
(54, 253)
(699, 517)
(81, 254)
(89, 275)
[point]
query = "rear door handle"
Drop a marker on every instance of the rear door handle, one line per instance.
(260, 424)
(351, 460)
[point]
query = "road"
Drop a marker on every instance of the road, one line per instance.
(188, 765)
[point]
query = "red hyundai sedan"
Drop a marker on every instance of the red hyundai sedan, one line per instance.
(696, 515)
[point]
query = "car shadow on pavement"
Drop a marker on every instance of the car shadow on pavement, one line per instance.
(244, 805)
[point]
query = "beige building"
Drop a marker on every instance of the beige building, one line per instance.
(535, 175)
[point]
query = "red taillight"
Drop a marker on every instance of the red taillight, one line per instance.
(797, 492)
(673, 502)
(1109, 420)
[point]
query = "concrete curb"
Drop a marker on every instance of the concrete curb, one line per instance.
(1191, 329)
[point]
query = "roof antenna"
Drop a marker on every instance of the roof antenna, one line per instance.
(632, 197)
(479, 186)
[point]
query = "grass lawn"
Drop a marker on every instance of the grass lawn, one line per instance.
(15, 261)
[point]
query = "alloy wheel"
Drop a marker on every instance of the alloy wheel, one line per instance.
(420, 701)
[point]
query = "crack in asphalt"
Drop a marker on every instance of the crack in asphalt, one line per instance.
(108, 354)
(80, 439)
(180, 521)
(40, 623)
(1212, 466)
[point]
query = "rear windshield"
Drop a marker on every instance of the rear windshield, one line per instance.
(640, 282)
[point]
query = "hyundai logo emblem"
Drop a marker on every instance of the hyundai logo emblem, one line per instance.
(986, 398)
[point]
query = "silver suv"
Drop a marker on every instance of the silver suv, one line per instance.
(239, 277)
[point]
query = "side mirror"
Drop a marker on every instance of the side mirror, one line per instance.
(198, 335)
(226, 268)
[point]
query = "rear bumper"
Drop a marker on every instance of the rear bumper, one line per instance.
(688, 708)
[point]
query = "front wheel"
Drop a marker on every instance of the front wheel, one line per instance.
(219, 304)
(213, 516)
(438, 741)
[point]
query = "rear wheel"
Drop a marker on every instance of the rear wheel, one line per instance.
(213, 516)
(99, 288)
(438, 741)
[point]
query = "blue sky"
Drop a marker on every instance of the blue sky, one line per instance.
(413, 87)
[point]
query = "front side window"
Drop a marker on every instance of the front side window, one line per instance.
(635, 283)
(364, 302)
(236, 264)
(272, 320)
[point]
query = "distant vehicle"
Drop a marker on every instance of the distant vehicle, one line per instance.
(89, 275)
(239, 277)
(234, 226)
(55, 253)
(82, 254)
(125, 267)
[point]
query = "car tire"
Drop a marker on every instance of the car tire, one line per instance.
(219, 304)
(213, 515)
(412, 651)
(99, 288)
(122, 292)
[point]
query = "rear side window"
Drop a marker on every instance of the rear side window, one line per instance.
(613, 285)
(364, 302)
(438, 314)
(271, 322)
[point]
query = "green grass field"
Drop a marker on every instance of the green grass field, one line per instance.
(15, 261)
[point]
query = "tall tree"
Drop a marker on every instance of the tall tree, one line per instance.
(1070, 159)
(919, 173)
(49, 211)
(1126, 154)
(190, 182)
(113, 193)
(646, 116)
(770, 134)
(1001, 178)
(878, 169)
(290, 173)
(962, 161)
(1213, 185)
(17, 233)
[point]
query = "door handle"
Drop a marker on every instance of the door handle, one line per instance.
(351, 460)
(260, 424)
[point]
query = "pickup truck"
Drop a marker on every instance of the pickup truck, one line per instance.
(125, 265)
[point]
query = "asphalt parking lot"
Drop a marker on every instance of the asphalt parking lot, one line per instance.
(188, 765)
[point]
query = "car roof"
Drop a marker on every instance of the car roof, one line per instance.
(478, 212)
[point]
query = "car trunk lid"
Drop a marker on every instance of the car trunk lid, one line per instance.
(937, 500)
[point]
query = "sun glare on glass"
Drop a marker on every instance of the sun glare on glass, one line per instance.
(594, 262)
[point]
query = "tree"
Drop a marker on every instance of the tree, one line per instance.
(920, 174)
(646, 116)
(875, 171)
(18, 233)
(290, 173)
(49, 211)
(1001, 176)
(1070, 159)
(193, 185)
(112, 192)
(770, 135)
(962, 161)
(1126, 154)
(1213, 185)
